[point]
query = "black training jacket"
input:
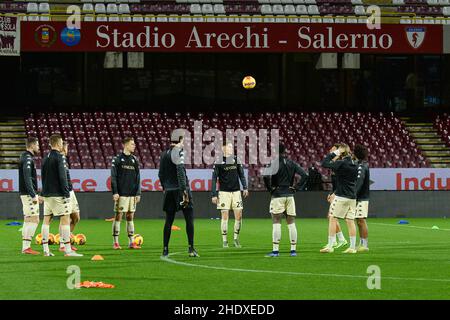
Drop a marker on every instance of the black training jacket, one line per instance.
(54, 176)
(69, 180)
(172, 172)
(27, 175)
(346, 172)
(363, 183)
(229, 172)
(280, 183)
(125, 176)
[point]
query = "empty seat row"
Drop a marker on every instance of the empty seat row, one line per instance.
(290, 9)
(207, 9)
(110, 8)
(33, 7)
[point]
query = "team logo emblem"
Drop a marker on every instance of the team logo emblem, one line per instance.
(70, 37)
(45, 35)
(416, 36)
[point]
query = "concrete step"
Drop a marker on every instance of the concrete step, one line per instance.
(421, 129)
(10, 154)
(12, 141)
(12, 147)
(440, 165)
(12, 135)
(424, 135)
(439, 159)
(12, 123)
(429, 141)
(444, 153)
(429, 147)
(12, 129)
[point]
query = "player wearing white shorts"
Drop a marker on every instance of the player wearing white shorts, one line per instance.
(339, 240)
(126, 188)
(29, 195)
(55, 190)
(344, 202)
(362, 196)
(74, 207)
(279, 181)
(229, 172)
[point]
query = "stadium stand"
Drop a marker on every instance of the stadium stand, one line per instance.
(329, 11)
(94, 138)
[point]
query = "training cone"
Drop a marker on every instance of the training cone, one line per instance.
(97, 257)
(176, 228)
(435, 228)
(403, 222)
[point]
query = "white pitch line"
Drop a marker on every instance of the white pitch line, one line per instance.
(187, 264)
(405, 226)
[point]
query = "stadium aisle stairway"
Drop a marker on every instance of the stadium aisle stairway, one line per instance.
(12, 142)
(429, 141)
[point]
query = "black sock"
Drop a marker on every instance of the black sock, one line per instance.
(170, 216)
(189, 217)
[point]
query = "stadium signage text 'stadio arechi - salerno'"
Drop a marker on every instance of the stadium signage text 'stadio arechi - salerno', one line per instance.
(233, 37)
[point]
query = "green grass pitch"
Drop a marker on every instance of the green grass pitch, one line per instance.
(414, 261)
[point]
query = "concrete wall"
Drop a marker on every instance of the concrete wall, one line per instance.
(309, 204)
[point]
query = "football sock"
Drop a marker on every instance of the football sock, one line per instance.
(365, 242)
(352, 242)
(237, 228)
(130, 230)
(65, 237)
(340, 236)
(293, 236)
(224, 228)
(26, 241)
(331, 241)
(116, 231)
(28, 231)
(45, 232)
(61, 242)
(276, 236)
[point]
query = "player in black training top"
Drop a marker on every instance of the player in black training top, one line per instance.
(344, 202)
(74, 207)
(229, 172)
(28, 189)
(126, 189)
(362, 196)
(56, 193)
(279, 181)
(177, 195)
(340, 241)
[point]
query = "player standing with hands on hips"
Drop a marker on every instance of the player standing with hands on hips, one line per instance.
(229, 171)
(29, 194)
(126, 188)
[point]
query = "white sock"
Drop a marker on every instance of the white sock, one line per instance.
(340, 236)
(224, 228)
(365, 242)
(61, 242)
(26, 240)
(276, 236)
(116, 231)
(293, 235)
(65, 237)
(130, 231)
(237, 228)
(331, 241)
(45, 232)
(353, 242)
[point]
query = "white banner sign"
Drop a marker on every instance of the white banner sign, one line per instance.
(9, 36)
(90, 180)
(410, 179)
(200, 179)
